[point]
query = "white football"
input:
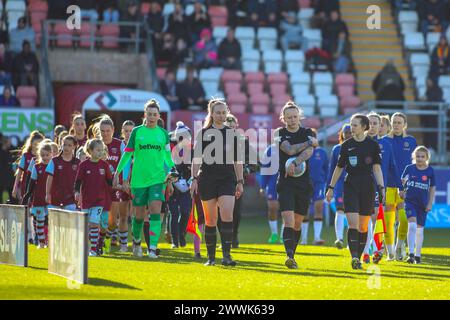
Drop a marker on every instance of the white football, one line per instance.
(299, 170)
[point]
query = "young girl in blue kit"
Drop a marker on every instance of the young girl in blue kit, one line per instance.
(420, 188)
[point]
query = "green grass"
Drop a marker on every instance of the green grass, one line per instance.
(324, 273)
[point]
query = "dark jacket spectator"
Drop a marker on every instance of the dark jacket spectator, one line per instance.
(205, 51)
(19, 35)
(237, 12)
(230, 51)
(57, 9)
(4, 36)
(331, 30)
(342, 54)
(88, 9)
(287, 6)
(6, 59)
(6, 173)
(198, 21)
(166, 52)
(432, 15)
(131, 15)
(433, 94)
(25, 67)
(178, 23)
(388, 84)
(182, 52)
(169, 89)
(440, 59)
(324, 7)
(263, 13)
(155, 20)
(7, 99)
(191, 92)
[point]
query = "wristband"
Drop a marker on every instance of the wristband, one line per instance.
(241, 181)
(330, 187)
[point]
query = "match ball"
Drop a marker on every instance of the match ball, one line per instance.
(299, 169)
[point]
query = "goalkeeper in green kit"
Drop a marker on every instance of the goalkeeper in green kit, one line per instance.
(149, 146)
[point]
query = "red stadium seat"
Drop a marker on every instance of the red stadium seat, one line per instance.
(260, 109)
(333, 139)
(218, 15)
(345, 79)
(312, 122)
(304, 3)
(38, 30)
(328, 121)
(110, 34)
(145, 8)
(232, 88)
(278, 89)
(254, 88)
(231, 76)
(254, 77)
(236, 108)
(87, 30)
(63, 35)
(260, 100)
(237, 98)
(37, 17)
(350, 102)
(218, 22)
(279, 77)
(27, 96)
(345, 91)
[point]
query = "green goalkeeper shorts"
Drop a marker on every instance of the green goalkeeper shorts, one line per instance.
(143, 196)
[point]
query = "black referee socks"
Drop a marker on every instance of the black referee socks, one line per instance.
(288, 240)
(211, 241)
(297, 235)
(353, 242)
(362, 243)
(226, 235)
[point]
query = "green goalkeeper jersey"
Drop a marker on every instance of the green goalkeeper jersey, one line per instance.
(150, 148)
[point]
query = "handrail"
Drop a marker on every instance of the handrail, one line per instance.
(46, 68)
(151, 58)
(438, 109)
(93, 38)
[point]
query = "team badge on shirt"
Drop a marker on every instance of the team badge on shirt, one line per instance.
(74, 167)
(353, 161)
(114, 150)
(102, 172)
(59, 167)
(406, 144)
(424, 178)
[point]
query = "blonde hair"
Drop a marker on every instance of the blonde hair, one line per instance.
(211, 104)
(75, 117)
(421, 149)
(54, 145)
(374, 114)
(45, 145)
(291, 105)
(387, 121)
(401, 115)
(91, 144)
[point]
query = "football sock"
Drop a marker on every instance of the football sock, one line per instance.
(353, 242)
(419, 241)
(389, 236)
(123, 237)
(305, 226)
(136, 227)
(211, 241)
(93, 237)
(155, 227)
(288, 240)
(297, 235)
(412, 230)
(369, 237)
(40, 230)
(226, 235)
(339, 225)
(101, 239)
(362, 243)
(317, 228)
(146, 232)
(403, 225)
(273, 226)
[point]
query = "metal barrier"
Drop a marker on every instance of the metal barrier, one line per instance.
(438, 109)
(93, 38)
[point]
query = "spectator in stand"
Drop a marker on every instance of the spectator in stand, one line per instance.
(331, 30)
(6, 62)
(25, 67)
(132, 14)
(433, 16)
(237, 12)
(7, 173)
(389, 85)
(21, 33)
(166, 53)
(440, 59)
(110, 11)
(205, 51)
(7, 99)
(198, 21)
(230, 51)
(292, 32)
(322, 12)
(341, 54)
(263, 13)
(57, 9)
(182, 52)
(191, 92)
(404, 5)
(169, 90)
(4, 37)
(155, 22)
(178, 23)
(88, 9)
(287, 6)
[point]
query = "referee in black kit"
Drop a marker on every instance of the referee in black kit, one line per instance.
(360, 156)
(218, 178)
(294, 193)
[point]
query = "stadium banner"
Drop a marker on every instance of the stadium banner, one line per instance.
(68, 244)
(20, 122)
(13, 235)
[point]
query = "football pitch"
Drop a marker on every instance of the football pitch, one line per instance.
(324, 273)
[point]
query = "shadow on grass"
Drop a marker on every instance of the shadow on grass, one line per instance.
(172, 257)
(437, 260)
(299, 272)
(245, 250)
(108, 283)
(37, 268)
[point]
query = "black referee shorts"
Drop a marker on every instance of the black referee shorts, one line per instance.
(214, 187)
(295, 199)
(359, 197)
